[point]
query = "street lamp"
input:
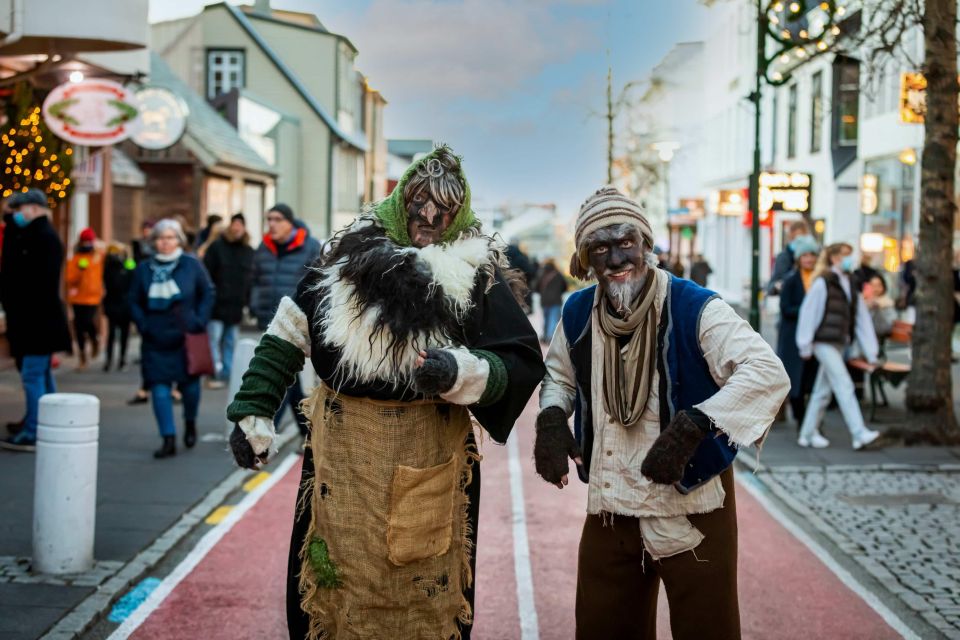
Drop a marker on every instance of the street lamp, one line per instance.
(665, 151)
(802, 28)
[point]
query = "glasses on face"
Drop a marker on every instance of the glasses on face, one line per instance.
(275, 219)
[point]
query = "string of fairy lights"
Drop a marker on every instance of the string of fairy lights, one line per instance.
(35, 158)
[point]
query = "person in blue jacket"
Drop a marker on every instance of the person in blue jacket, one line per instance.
(280, 262)
(171, 296)
(794, 289)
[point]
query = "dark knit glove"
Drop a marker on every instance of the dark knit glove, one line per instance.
(437, 374)
(673, 448)
(242, 451)
(554, 445)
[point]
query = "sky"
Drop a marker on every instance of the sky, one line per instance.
(516, 87)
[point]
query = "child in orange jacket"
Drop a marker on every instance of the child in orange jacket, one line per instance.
(84, 293)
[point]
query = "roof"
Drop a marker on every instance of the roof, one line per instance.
(208, 136)
(409, 148)
(124, 172)
(358, 142)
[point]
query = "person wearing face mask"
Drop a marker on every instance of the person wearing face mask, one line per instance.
(665, 381)
(84, 293)
(30, 294)
(794, 290)
(833, 318)
(414, 327)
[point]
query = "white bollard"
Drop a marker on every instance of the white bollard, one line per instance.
(65, 484)
(242, 355)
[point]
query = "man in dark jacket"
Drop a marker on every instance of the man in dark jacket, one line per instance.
(229, 260)
(30, 293)
(786, 259)
(551, 285)
(280, 262)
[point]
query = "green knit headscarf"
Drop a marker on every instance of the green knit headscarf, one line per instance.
(392, 212)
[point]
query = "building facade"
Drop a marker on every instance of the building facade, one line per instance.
(319, 146)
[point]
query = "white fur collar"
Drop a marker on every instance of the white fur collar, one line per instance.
(367, 357)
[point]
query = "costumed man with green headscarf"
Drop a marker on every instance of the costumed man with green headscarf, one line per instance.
(412, 322)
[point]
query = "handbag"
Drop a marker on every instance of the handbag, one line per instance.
(199, 358)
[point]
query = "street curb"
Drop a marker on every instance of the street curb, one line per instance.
(86, 614)
(797, 511)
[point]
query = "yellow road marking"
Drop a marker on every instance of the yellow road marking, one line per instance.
(218, 514)
(255, 481)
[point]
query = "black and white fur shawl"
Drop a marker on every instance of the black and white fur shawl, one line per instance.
(379, 304)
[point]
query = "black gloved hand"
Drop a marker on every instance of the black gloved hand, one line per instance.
(243, 452)
(673, 448)
(554, 445)
(437, 374)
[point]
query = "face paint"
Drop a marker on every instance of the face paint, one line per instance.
(617, 256)
(426, 221)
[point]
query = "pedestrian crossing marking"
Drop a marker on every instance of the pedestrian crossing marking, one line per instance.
(255, 481)
(218, 514)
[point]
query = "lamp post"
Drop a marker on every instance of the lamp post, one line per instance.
(665, 151)
(800, 30)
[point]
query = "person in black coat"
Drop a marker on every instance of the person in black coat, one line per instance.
(117, 277)
(551, 285)
(794, 287)
(171, 296)
(229, 260)
(30, 293)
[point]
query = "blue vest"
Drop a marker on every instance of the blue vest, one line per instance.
(685, 378)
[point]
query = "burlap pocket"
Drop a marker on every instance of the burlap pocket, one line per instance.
(420, 524)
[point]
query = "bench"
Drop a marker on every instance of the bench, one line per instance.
(893, 373)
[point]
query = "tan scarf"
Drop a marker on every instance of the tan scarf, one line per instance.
(628, 371)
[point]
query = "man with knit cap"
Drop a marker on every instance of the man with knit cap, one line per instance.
(665, 381)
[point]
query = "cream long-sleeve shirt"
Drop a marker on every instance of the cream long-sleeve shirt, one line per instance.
(753, 385)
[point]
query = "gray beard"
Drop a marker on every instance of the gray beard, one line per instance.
(622, 294)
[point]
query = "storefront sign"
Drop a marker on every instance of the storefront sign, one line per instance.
(782, 191)
(913, 98)
(163, 116)
(87, 175)
(91, 112)
(730, 202)
(869, 200)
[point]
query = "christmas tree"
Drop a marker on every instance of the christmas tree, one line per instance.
(30, 155)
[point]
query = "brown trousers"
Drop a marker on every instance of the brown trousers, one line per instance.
(618, 582)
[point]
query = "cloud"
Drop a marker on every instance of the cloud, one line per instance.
(485, 49)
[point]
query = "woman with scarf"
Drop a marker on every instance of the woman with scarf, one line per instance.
(171, 296)
(794, 289)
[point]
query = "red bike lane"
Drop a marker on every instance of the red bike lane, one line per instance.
(236, 590)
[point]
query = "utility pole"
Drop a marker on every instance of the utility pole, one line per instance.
(754, 199)
(610, 116)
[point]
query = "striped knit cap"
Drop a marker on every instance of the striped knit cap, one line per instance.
(604, 208)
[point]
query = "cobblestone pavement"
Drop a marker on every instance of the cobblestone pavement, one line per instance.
(17, 570)
(900, 525)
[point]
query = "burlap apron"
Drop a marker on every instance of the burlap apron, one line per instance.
(387, 554)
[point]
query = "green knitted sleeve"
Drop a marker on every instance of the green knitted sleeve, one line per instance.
(496, 381)
(273, 368)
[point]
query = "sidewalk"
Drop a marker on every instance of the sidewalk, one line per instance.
(138, 497)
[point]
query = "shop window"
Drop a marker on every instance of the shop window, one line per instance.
(846, 100)
(816, 112)
(226, 71)
(792, 122)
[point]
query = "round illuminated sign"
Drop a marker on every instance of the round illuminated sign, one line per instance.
(92, 113)
(163, 116)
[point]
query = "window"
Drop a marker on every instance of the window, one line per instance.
(225, 71)
(846, 112)
(792, 122)
(816, 112)
(775, 121)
